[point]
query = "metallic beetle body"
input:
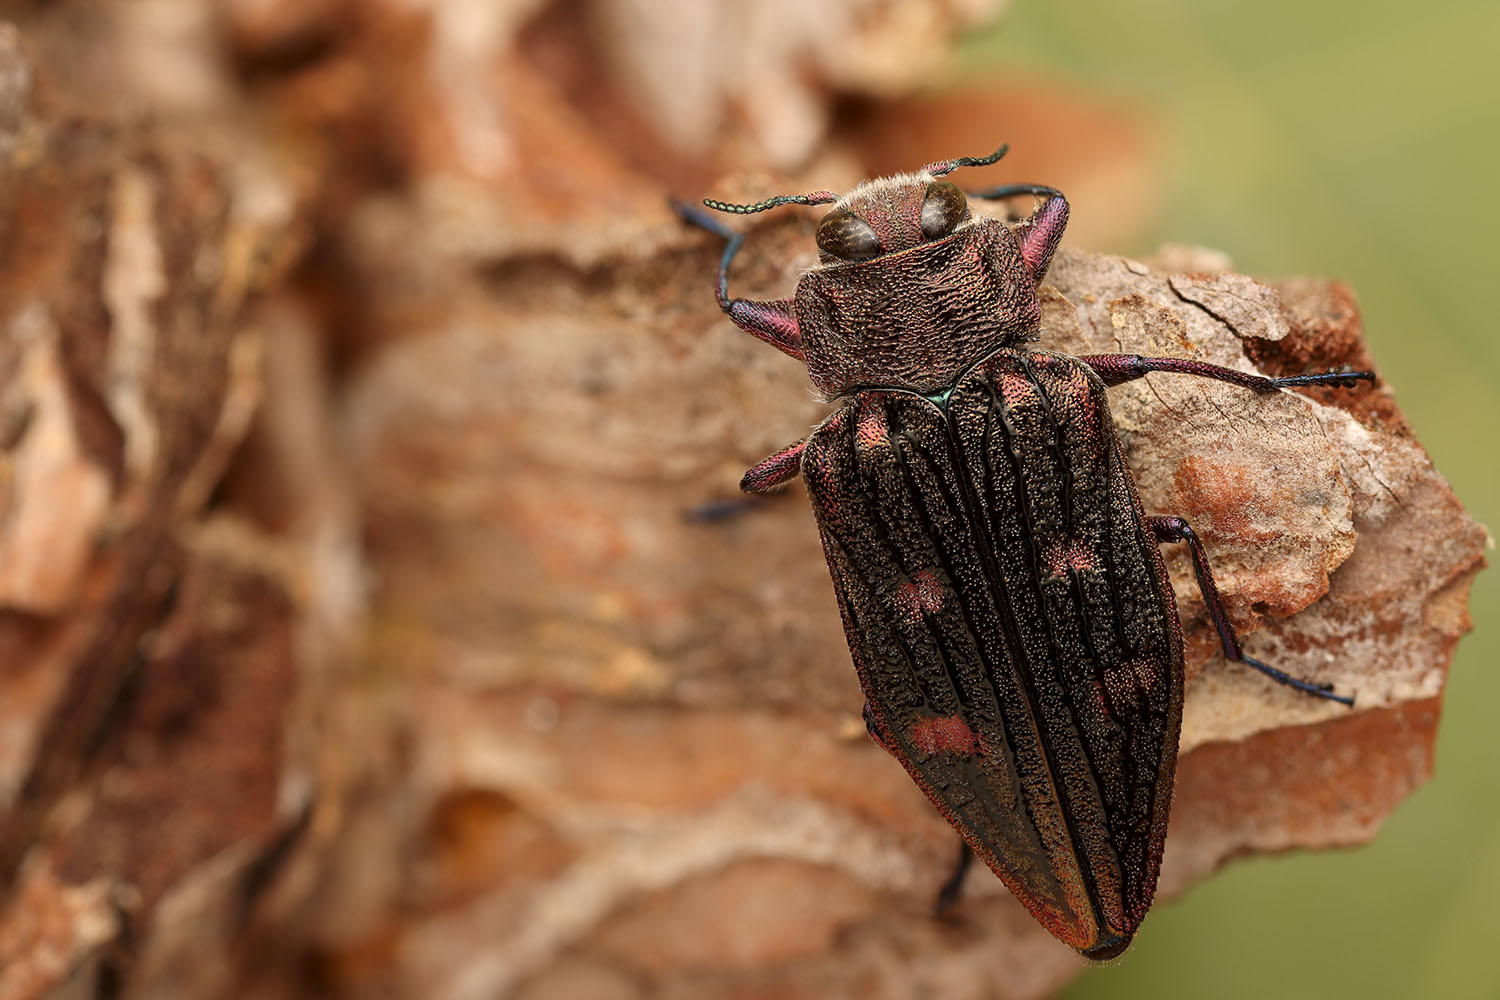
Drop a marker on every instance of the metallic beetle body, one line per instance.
(1002, 590)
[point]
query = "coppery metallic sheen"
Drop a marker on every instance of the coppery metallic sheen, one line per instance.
(914, 320)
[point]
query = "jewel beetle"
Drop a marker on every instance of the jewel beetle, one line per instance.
(1002, 590)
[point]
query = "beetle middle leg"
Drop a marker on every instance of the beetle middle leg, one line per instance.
(1116, 369)
(1175, 529)
(762, 478)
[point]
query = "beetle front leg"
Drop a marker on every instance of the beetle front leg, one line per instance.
(1175, 529)
(774, 321)
(777, 470)
(1116, 369)
(1042, 231)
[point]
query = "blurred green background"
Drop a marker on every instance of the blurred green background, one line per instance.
(1356, 140)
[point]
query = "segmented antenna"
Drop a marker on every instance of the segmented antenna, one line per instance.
(942, 167)
(814, 198)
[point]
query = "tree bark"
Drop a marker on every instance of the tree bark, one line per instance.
(354, 383)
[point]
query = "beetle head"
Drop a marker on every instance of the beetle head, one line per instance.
(884, 216)
(889, 215)
(911, 287)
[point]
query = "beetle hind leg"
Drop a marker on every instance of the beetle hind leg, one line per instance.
(947, 896)
(1175, 529)
(948, 892)
(1307, 687)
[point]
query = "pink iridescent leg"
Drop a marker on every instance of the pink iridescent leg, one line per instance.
(773, 321)
(1042, 231)
(1115, 369)
(777, 470)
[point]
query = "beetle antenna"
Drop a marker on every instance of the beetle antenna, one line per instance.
(942, 167)
(814, 198)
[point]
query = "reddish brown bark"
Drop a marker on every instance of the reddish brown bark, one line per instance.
(353, 380)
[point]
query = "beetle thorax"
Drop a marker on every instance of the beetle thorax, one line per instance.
(914, 317)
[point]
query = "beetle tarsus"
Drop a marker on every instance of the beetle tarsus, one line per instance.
(1343, 380)
(716, 511)
(703, 220)
(1117, 369)
(1281, 677)
(1014, 191)
(773, 321)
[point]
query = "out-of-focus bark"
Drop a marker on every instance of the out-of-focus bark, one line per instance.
(148, 674)
(354, 380)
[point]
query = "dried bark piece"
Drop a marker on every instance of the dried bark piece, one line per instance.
(154, 862)
(53, 933)
(1275, 526)
(134, 374)
(671, 708)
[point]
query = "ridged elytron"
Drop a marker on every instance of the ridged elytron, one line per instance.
(1002, 590)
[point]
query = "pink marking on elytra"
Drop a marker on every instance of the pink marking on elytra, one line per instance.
(1016, 390)
(923, 594)
(1065, 554)
(943, 733)
(870, 430)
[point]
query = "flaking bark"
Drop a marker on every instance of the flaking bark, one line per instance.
(353, 386)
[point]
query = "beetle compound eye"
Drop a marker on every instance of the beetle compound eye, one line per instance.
(844, 235)
(943, 209)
